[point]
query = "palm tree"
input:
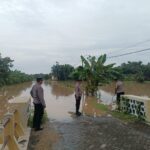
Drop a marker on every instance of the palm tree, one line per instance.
(95, 72)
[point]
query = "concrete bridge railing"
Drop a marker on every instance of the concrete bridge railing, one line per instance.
(136, 105)
(14, 134)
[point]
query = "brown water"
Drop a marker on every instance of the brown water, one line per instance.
(8, 92)
(60, 99)
(131, 87)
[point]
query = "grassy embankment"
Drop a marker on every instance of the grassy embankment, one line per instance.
(120, 115)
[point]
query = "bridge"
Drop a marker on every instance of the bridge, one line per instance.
(14, 133)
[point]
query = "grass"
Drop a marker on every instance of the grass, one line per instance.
(30, 120)
(120, 115)
(124, 117)
(102, 107)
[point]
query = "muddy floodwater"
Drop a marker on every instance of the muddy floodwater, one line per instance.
(65, 131)
(60, 99)
(130, 87)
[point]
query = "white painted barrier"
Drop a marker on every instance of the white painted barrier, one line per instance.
(136, 105)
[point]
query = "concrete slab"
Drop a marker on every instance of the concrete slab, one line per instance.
(22, 141)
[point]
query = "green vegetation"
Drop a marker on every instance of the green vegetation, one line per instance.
(135, 71)
(7, 76)
(123, 116)
(102, 107)
(62, 72)
(117, 114)
(96, 73)
(78, 74)
(17, 77)
(30, 120)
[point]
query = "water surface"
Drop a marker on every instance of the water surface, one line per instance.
(60, 99)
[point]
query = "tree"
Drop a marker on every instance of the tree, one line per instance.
(135, 71)
(139, 77)
(146, 71)
(96, 72)
(77, 73)
(17, 76)
(7, 76)
(5, 65)
(131, 67)
(62, 72)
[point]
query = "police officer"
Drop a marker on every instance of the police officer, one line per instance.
(37, 94)
(78, 95)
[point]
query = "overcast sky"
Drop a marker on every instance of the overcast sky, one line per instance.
(37, 33)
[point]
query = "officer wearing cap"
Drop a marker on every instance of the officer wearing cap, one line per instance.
(78, 95)
(37, 94)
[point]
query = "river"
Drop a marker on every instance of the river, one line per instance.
(60, 99)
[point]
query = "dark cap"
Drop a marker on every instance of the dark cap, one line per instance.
(39, 78)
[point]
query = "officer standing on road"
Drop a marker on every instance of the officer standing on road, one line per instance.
(78, 95)
(37, 94)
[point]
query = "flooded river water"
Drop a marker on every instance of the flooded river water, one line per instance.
(60, 99)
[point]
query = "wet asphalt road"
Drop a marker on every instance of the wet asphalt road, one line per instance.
(88, 133)
(104, 133)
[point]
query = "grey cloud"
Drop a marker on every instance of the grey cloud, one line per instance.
(33, 31)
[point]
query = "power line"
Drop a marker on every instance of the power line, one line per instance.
(132, 45)
(129, 53)
(139, 43)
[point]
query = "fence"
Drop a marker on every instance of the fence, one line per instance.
(12, 128)
(136, 105)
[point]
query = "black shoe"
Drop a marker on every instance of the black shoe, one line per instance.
(38, 129)
(78, 114)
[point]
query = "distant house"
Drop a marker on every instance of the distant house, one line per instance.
(54, 78)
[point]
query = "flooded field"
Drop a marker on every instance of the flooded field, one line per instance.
(131, 87)
(60, 99)
(9, 92)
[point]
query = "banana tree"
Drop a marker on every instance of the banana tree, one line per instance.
(95, 72)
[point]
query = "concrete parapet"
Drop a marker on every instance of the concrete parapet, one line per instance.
(136, 105)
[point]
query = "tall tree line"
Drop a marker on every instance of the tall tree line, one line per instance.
(9, 76)
(135, 71)
(62, 72)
